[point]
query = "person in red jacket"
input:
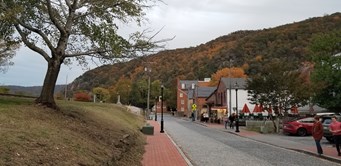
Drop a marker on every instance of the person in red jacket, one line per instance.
(335, 128)
(317, 134)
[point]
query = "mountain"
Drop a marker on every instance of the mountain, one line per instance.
(30, 90)
(289, 42)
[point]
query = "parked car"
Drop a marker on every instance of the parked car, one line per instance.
(326, 120)
(301, 127)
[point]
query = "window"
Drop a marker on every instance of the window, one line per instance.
(183, 86)
(182, 101)
(181, 94)
(182, 109)
(307, 120)
(193, 86)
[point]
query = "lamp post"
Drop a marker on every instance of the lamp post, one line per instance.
(237, 118)
(230, 91)
(156, 108)
(162, 87)
(148, 70)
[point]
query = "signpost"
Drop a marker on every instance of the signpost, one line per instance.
(194, 108)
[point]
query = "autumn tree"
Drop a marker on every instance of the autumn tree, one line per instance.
(123, 88)
(61, 31)
(327, 70)
(101, 93)
(233, 72)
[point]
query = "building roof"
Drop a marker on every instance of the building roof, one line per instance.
(240, 81)
(188, 83)
(205, 91)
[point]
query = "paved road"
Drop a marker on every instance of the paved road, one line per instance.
(306, 140)
(211, 147)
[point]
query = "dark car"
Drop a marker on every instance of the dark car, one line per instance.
(326, 120)
(301, 127)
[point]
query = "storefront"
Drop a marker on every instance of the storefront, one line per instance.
(217, 114)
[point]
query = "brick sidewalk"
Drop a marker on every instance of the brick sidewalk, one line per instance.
(160, 150)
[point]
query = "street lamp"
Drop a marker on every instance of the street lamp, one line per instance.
(162, 87)
(148, 70)
(156, 108)
(237, 118)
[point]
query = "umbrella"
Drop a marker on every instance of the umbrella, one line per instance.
(256, 109)
(261, 109)
(245, 109)
(294, 110)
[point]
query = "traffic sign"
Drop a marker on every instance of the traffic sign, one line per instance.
(194, 107)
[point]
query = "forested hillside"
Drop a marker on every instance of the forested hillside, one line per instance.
(248, 50)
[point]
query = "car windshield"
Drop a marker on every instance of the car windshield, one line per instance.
(327, 121)
(306, 120)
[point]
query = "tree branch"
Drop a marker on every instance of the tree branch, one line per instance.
(39, 32)
(30, 45)
(68, 3)
(62, 7)
(53, 19)
(70, 18)
(87, 53)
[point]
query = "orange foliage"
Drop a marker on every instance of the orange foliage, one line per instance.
(225, 72)
(259, 58)
(81, 96)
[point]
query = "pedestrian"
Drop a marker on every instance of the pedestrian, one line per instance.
(317, 133)
(226, 120)
(231, 119)
(335, 128)
(206, 117)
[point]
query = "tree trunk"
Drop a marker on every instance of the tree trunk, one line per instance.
(46, 97)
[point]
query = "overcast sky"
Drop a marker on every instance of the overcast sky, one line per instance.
(192, 22)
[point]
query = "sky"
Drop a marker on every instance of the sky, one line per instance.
(191, 22)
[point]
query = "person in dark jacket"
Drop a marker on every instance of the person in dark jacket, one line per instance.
(317, 133)
(231, 119)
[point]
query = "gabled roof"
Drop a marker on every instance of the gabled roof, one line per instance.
(188, 83)
(240, 81)
(205, 91)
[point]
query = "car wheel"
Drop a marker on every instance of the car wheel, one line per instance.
(301, 132)
(330, 139)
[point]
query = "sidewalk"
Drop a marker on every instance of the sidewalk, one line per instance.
(329, 153)
(161, 150)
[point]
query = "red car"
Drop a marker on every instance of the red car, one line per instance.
(299, 127)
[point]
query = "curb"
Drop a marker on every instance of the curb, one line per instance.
(329, 158)
(180, 151)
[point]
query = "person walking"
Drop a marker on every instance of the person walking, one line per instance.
(335, 128)
(317, 133)
(231, 119)
(226, 120)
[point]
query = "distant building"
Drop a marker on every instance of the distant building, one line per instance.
(223, 100)
(192, 91)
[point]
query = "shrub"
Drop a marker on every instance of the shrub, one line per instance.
(82, 96)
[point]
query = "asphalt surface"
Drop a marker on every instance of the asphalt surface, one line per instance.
(212, 147)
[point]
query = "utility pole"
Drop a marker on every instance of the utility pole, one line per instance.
(65, 95)
(230, 92)
(148, 70)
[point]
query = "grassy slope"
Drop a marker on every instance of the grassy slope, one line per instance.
(79, 134)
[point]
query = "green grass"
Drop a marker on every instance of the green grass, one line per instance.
(79, 134)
